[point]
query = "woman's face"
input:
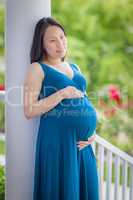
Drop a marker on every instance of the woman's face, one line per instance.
(55, 42)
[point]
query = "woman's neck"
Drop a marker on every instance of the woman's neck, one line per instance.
(53, 62)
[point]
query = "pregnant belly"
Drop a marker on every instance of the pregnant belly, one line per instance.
(78, 114)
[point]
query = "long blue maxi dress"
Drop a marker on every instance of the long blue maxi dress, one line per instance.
(62, 171)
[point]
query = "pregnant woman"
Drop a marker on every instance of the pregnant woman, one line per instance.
(55, 90)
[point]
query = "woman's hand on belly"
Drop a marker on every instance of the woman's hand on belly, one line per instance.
(83, 144)
(71, 92)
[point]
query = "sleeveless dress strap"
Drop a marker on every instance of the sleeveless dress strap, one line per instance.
(76, 67)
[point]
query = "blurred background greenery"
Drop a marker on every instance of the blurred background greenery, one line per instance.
(100, 41)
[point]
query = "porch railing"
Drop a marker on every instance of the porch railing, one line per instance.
(115, 169)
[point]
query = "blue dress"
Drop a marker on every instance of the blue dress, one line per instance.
(62, 171)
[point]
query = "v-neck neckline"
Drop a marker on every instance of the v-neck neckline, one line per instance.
(58, 71)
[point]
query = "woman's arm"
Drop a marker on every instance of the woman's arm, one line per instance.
(32, 87)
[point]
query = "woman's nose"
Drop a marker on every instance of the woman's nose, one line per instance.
(60, 45)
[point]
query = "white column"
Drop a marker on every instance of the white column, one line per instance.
(21, 17)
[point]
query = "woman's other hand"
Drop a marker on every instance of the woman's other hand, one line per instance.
(82, 144)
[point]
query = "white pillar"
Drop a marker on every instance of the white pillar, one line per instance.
(21, 17)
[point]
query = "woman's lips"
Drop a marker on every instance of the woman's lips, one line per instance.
(60, 51)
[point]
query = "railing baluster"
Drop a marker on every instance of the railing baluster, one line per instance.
(124, 176)
(117, 177)
(109, 175)
(101, 170)
(131, 182)
(94, 147)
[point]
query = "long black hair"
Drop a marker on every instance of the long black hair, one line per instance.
(37, 50)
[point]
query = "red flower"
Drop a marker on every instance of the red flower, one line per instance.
(114, 94)
(2, 87)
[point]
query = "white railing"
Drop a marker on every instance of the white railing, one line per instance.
(115, 169)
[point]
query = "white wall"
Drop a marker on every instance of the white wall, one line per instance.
(21, 16)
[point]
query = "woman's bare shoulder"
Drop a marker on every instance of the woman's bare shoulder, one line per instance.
(36, 69)
(34, 73)
(35, 66)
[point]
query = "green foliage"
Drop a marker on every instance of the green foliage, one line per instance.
(117, 129)
(2, 78)
(100, 38)
(2, 183)
(2, 147)
(2, 116)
